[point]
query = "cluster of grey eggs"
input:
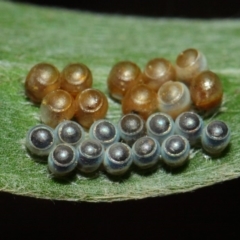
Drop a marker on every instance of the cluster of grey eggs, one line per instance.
(117, 146)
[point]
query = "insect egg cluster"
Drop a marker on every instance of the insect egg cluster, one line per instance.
(163, 87)
(65, 95)
(159, 123)
(115, 147)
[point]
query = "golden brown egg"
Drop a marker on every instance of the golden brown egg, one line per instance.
(173, 98)
(75, 78)
(140, 99)
(122, 76)
(157, 72)
(190, 63)
(41, 79)
(91, 105)
(57, 106)
(206, 91)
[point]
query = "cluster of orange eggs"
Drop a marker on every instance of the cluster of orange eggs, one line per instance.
(65, 95)
(163, 87)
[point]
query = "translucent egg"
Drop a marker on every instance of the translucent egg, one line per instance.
(41, 79)
(189, 64)
(75, 78)
(91, 105)
(206, 91)
(173, 98)
(158, 71)
(122, 76)
(56, 107)
(140, 99)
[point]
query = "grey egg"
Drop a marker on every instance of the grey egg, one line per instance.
(131, 127)
(146, 152)
(190, 125)
(160, 126)
(40, 140)
(90, 155)
(62, 160)
(118, 158)
(69, 132)
(216, 136)
(104, 131)
(175, 151)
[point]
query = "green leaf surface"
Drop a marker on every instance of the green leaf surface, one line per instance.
(29, 35)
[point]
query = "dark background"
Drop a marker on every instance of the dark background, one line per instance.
(209, 213)
(159, 8)
(212, 212)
